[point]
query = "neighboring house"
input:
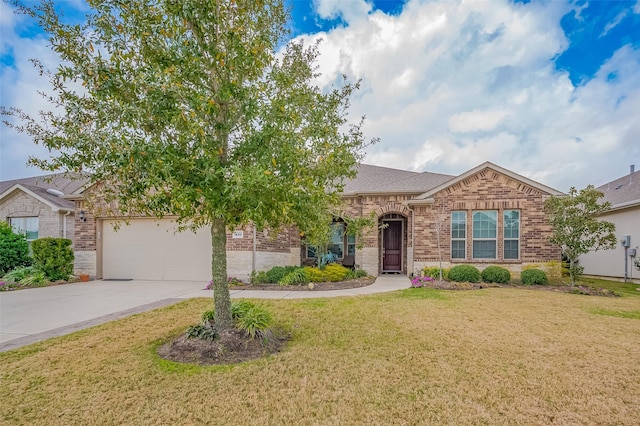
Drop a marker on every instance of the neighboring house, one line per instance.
(487, 216)
(624, 196)
(37, 205)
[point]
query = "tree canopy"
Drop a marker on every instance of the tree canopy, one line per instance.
(576, 227)
(200, 110)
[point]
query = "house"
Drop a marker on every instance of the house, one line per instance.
(485, 216)
(37, 205)
(624, 196)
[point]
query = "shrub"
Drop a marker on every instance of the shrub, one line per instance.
(205, 331)
(34, 279)
(14, 249)
(255, 321)
(496, 274)
(464, 273)
(259, 277)
(297, 276)
(275, 274)
(434, 272)
(354, 274)
(208, 316)
(315, 274)
(54, 257)
(239, 308)
(335, 272)
(533, 276)
(18, 274)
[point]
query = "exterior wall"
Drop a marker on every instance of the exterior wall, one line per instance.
(369, 256)
(485, 190)
(611, 263)
(50, 223)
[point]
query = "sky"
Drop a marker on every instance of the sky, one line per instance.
(547, 89)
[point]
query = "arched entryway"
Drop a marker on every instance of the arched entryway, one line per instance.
(393, 243)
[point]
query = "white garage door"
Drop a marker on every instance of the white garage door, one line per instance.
(149, 249)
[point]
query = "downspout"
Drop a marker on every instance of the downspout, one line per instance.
(64, 223)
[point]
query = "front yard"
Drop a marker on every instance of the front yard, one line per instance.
(419, 356)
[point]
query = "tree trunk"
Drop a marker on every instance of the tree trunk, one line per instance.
(572, 273)
(221, 297)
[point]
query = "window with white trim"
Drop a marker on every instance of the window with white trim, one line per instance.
(485, 232)
(511, 234)
(25, 225)
(458, 234)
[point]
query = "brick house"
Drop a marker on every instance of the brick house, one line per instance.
(487, 216)
(624, 195)
(37, 205)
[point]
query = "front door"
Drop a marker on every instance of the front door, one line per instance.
(392, 246)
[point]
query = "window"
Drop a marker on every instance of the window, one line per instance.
(351, 245)
(25, 225)
(339, 243)
(458, 235)
(485, 234)
(336, 246)
(511, 234)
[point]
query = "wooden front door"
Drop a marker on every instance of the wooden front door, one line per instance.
(392, 247)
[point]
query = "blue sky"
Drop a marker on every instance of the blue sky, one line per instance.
(550, 90)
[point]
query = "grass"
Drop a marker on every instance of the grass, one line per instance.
(621, 288)
(419, 356)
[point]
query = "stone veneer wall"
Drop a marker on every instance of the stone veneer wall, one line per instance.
(50, 223)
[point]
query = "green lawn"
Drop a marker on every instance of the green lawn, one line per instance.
(492, 356)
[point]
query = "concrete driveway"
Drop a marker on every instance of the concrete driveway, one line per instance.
(29, 316)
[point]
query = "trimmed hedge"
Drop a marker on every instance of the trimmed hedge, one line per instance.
(14, 249)
(464, 273)
(496, 274)
(54, 257)
(533, 276)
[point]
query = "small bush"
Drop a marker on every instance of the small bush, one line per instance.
(297, 276)
(421, 281)
(495, 274)
(275, 274)
(54, 257)
(204, 331)
(35, 279)
(315, 274)
(434, 272)
(335, 272)
(255, 321)
(14, 249)
(464, 273)
(259, 277)
(533, 276)
(354, 274)
(208, 316)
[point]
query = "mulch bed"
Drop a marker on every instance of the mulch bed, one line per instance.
(340, 285)
(232, 347)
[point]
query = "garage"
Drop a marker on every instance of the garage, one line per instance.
(151, 249)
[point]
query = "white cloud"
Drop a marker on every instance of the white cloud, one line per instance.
(614, 23)
(349, 11)
(447, 86)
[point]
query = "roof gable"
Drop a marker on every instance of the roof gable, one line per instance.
(484, 166)
(67, 183)
(56, 203)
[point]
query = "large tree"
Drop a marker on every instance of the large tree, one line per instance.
(199, 110)
(576, 227)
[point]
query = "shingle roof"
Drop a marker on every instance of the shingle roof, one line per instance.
(67, 183)
(376, 179)
(622, 190)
